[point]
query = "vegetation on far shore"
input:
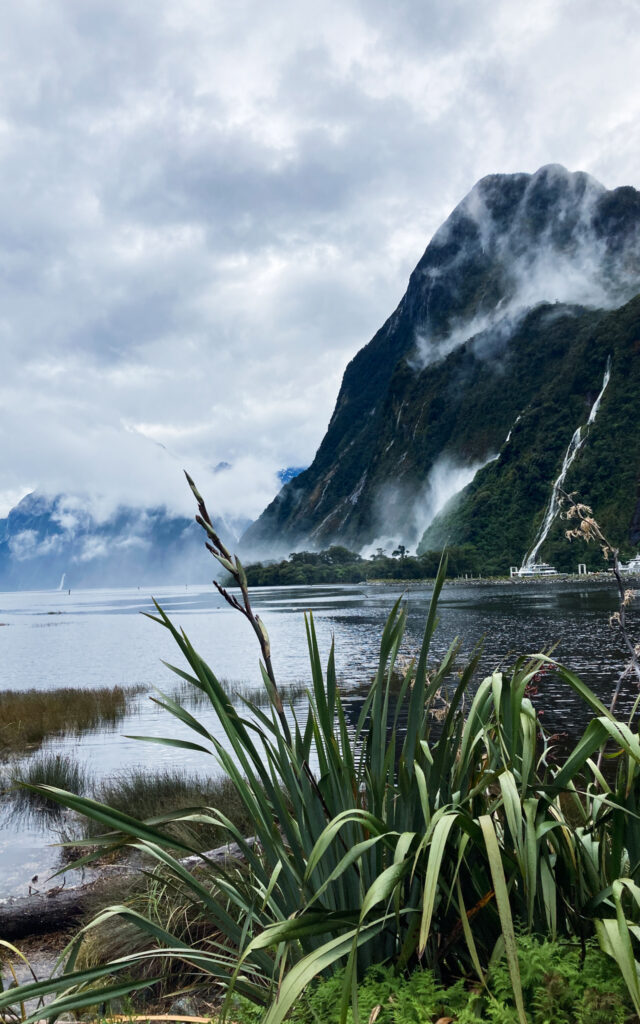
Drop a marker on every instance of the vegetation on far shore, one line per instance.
(340, 565)
(337, 564)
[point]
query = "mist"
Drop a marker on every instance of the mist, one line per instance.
(563, 258)
(44, 538)
(403, 515)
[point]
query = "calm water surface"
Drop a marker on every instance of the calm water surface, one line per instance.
(98, 637)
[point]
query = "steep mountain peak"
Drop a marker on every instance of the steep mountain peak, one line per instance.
(517, 240)
(551, 201)
(517, 263)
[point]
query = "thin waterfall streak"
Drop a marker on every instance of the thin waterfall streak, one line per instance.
(575, 444)
(596, 404)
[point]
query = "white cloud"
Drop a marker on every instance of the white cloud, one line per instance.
(25, 545)
(206, 209)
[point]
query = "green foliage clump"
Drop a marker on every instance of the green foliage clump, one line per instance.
(396, 999)
(562, 984)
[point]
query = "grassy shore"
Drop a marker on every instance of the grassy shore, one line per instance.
(486, 581)
(28, 717)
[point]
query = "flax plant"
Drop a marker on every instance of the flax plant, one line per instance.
(417, 840)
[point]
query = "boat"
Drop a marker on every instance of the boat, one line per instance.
(632, 566)
(535, 569)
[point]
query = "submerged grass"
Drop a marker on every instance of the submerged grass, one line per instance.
(49, 769)
(143, 794)
(239, 692)
(28, 717)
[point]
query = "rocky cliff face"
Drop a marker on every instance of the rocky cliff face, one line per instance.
(508, 317)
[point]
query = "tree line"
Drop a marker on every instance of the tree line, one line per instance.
(337, 564)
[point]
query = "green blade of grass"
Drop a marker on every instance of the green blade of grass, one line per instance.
(504, 911)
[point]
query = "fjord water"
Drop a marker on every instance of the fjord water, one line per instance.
(97, 638)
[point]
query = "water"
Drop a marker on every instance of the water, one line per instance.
(98, 637)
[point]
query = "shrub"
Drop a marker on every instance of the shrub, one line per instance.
(562, 984)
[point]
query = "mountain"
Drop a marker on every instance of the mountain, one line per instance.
(505, 331)
(43, 538)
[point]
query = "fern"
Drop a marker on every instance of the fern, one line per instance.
(560, 986)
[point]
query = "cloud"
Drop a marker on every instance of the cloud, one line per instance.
(206, 210)
(27, 545)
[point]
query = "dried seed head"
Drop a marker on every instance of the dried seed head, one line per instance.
(194, 489)
(265, 637)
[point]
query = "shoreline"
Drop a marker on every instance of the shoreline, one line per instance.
(41, 913)
(605, 576)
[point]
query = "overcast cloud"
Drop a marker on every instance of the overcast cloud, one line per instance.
(207, 208)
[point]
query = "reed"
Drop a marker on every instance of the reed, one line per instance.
(44, 769)
(28, 717)
(239, 692)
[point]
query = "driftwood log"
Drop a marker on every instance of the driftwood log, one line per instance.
(55, 910)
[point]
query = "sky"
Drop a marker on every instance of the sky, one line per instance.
(207, 208)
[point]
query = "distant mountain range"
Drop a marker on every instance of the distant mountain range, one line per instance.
(453, 423)
(45, 539)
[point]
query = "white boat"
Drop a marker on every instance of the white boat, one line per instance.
(536, 569)
(632, 566)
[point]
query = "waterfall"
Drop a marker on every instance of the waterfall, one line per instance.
(596, 404)
(575, 444)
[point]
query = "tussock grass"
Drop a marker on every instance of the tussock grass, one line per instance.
(260, 698)
(171, 907)
(145, 795)
(49, 769)
(28, 717)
